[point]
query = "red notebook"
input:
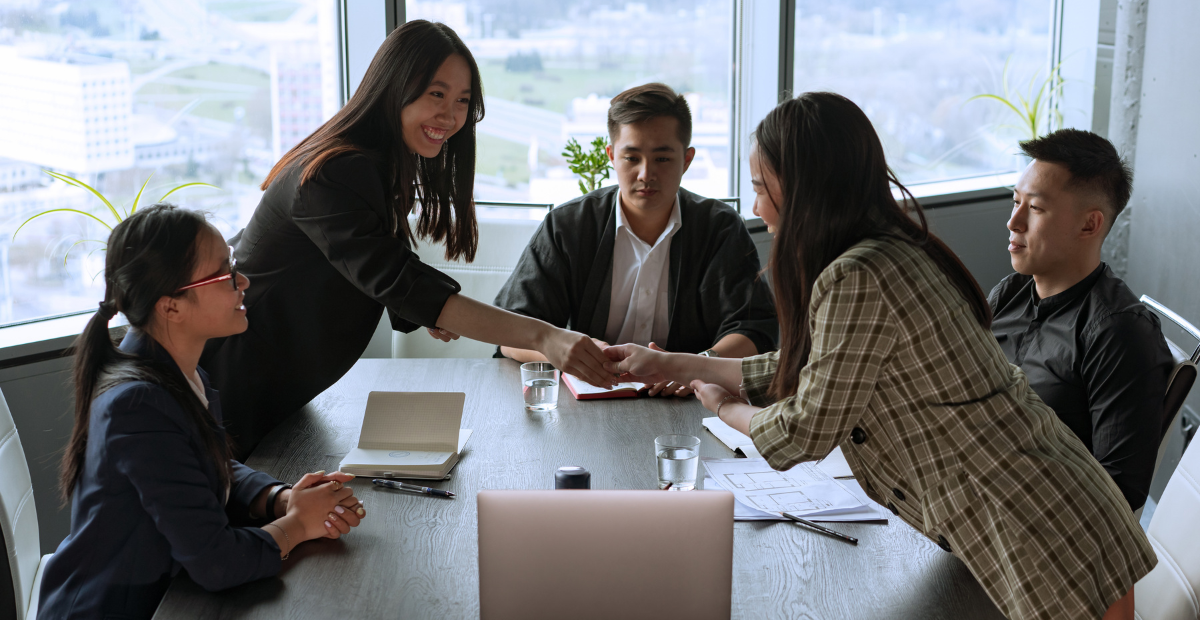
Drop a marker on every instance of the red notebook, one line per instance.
(582, 390)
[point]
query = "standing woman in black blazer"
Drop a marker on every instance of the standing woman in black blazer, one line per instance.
(330, 245)
(147, 468)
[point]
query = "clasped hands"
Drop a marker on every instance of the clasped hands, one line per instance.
(321, 505)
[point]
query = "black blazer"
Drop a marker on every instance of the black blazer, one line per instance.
(149, 504)
(323, 264)
(564, 277)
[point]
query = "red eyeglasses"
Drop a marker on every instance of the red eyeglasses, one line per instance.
(231, 276)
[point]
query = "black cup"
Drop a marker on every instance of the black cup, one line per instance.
(572, 477)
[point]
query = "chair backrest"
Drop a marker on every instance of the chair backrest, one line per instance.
(1183, 375)
(18, 520)
(501, 243)
(1169, 592)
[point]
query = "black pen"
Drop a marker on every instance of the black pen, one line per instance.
(821, 528)
(404, 486)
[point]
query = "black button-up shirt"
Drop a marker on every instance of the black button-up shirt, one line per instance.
(1097, 356)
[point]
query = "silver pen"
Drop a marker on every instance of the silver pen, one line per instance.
(404, 486)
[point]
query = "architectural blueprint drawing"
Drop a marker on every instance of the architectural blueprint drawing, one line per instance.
(803, 490)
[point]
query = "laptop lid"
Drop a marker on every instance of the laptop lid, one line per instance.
(605, 554)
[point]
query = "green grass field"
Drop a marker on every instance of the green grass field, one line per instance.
(555, 87)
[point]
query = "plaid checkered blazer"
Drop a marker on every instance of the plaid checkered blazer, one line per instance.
(941, 429)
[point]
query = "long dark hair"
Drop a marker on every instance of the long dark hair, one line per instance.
(370, 123)
(837, 191)
(151, 254)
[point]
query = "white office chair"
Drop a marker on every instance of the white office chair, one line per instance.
(1183, 376)
(18, 521)
(501, 243)
(1169, 592)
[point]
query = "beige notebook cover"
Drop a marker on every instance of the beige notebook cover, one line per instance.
(409, 435)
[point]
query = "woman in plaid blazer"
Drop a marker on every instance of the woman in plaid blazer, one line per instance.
(886, 352)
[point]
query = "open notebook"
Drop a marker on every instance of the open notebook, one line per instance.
(409, 435)
(582, 390)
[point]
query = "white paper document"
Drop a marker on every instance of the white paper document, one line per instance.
(804, 490)
(834, 464)
(381, 457)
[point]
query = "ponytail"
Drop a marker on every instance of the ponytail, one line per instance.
(94, 351)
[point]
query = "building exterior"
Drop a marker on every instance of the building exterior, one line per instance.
(73, 114)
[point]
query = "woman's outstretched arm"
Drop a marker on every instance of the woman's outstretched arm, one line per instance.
(569, 351)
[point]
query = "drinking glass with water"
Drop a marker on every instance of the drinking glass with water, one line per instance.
(540, 384)
(678, 456)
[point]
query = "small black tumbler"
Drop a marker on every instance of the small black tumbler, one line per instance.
(572, 477)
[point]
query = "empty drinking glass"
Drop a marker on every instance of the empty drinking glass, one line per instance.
(678, 456)
(540, 384)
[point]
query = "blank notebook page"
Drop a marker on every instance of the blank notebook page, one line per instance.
(412, 420)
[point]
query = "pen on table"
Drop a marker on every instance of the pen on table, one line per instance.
(404, 486)
(821, 528)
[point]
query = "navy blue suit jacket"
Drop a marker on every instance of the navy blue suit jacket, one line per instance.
(148, 504)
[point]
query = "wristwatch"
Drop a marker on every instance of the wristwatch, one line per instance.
(271, 516)
(710, 353)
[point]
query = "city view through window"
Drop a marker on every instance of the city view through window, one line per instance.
(112, 92)
(550, 68)
(911, 65)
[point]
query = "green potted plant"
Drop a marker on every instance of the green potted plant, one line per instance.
(593, 166)
(116, 213)
(1034, 109)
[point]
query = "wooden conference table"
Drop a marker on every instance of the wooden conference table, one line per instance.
(416, 556)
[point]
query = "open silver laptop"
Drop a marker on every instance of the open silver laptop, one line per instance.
(605, 554)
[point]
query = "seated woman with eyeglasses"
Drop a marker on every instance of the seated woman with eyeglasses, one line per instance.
(147, 468)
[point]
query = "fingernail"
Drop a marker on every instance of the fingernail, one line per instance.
(320, 473)
(351, 475)
(339, 509)
(361, 512)
(332, 518)
(328, 524)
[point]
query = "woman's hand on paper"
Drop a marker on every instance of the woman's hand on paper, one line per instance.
(736, 412)
(668, 388)
(711, 394)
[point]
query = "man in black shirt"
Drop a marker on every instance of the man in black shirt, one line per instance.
(1090, 349)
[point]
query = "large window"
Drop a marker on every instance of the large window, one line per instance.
(913, 64)
(111, 92)
(550, 68)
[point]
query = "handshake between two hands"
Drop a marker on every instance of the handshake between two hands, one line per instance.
(602, 365)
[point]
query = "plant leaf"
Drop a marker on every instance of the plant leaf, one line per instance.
(133, 209)
(68, 252)
(183, 186)
(61, 177)
(1001, 100)
(49, 211)
(78, 183)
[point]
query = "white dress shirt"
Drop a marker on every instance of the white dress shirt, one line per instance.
(637, 310)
